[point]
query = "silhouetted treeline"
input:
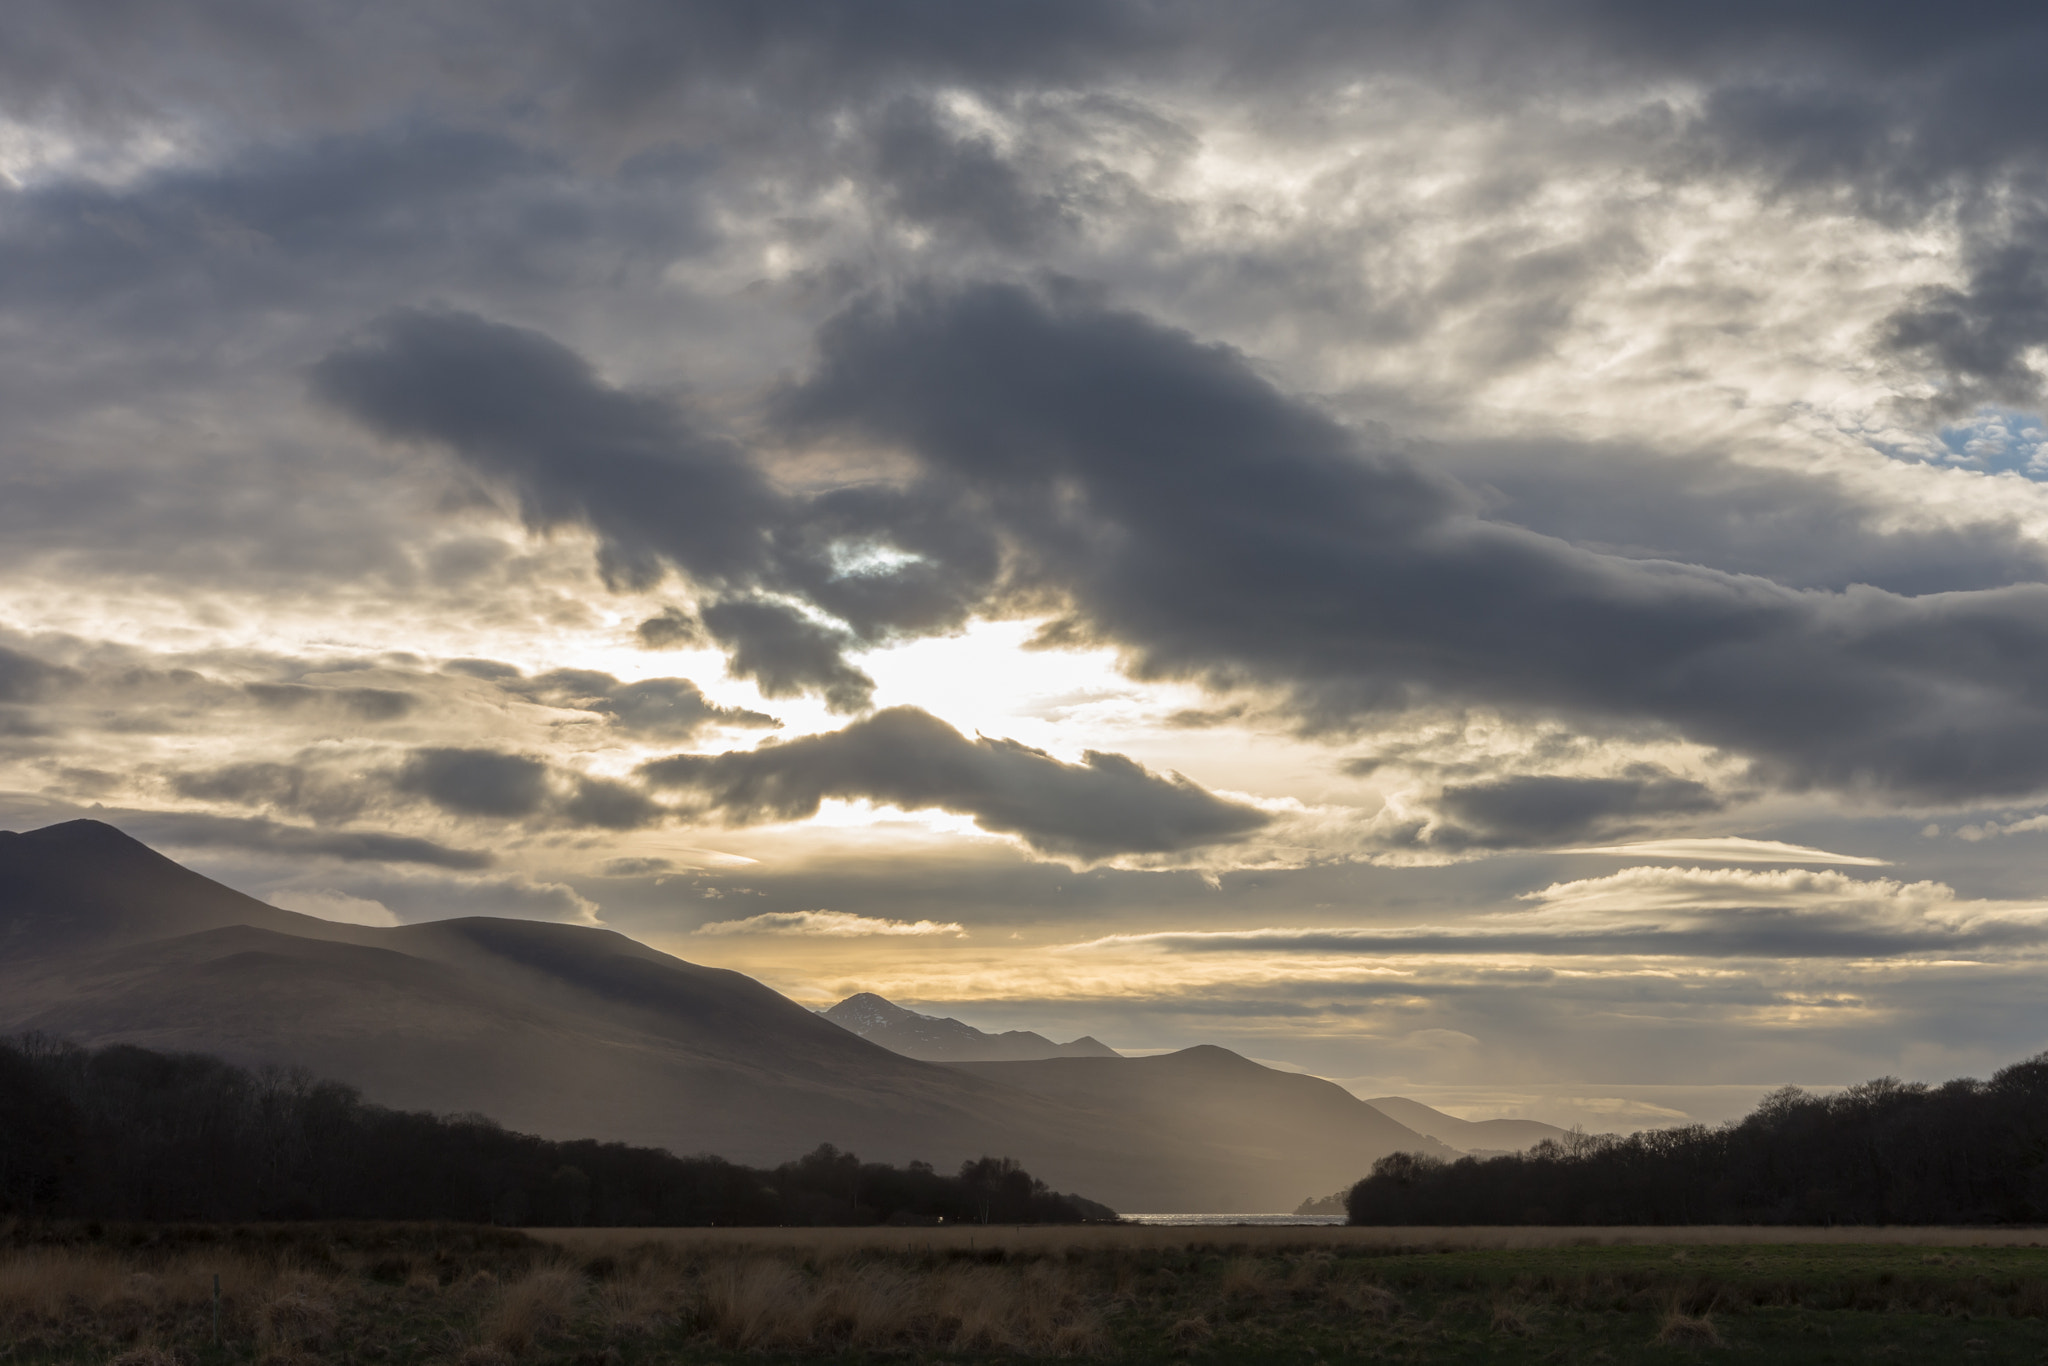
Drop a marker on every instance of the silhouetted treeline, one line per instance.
(1885, 1152)
(124, 1133)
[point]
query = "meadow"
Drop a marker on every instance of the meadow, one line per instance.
(397, 1295)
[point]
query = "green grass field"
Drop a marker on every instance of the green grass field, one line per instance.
(398, 1295)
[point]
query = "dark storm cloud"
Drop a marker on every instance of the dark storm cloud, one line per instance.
(961, 184)
(626, 60)
(670, 629)
(532, 415)
(1183, 508)
(476, 782)
(1104, 806)
(1799, 529)
(487, 784)
(1217, 529)
(656, 708)
(660, 489)
(1533, 810)
(671, 708)
(305, 788)
(1980, 335)
(788, 654)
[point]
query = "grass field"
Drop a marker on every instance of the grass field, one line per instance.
(398, 1294)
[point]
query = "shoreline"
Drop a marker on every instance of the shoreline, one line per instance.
(1034, 1237)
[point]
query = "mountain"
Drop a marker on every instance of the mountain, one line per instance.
(935, 1038)
(1481, 1137)
(1298, 1133)
(573, 1032)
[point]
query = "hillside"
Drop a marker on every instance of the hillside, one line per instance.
(571, 1032)
(936, 1038)
(1298, 1133)
(1482, 1137)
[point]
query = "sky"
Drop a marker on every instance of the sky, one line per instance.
(1491, 552)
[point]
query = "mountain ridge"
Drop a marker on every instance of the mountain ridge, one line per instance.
(575, 1032)
(939, 1038)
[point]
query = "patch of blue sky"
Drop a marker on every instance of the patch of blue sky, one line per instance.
(1997, 440)
(1994, 440)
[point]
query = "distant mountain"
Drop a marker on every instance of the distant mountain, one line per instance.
(1297, 1132)
(1480, 1137)
(574, 1032)
(935, 1038)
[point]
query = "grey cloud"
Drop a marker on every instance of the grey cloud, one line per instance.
(1748, 933)
(1104, 806)
(788, 654)
(24, 678)
(196, 830)
(398, 210)
(530, 414)
(367, 704)
(476, 782)
(658, 708)
(1545, 809)
(486, 783)
(417, 896)
(674, 707)
(625, 62)
(959, 183)
(1220, 530)
(307, 788)
(670, 629)
(659, 489)
(490, 670)
(1184, 508)
(1706, 507)
(610, 805)
(1980, 336)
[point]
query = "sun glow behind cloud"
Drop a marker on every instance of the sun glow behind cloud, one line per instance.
(1645, 354)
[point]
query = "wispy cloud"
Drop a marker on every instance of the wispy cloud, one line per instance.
(1731, 849)
(1665, 912)
(827, 924)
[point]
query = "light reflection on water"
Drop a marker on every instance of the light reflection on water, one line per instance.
(1254, 1220)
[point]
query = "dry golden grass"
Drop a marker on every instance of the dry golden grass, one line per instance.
(1245, 1278)
(1514, 1317)
(1688, 1330)
(436, 1296)
(770, 1303)
(539, 1305)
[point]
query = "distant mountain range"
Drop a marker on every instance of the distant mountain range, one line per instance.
(938, 1038)
(1478, 1137)
(935, 1038)
(570, 1032)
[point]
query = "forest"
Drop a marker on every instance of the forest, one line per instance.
(126, 1133)
(1884, 1152)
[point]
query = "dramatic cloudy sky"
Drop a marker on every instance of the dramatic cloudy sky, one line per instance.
(1489, 550)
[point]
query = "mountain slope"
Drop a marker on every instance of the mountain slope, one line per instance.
(936, 1038)
(1290, 1135)
(83, 884)
(1466, 1135)
(561, 1030)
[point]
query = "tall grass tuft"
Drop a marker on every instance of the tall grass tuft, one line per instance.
(537, 1306)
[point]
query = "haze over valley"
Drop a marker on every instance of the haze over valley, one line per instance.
(574, 1032)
